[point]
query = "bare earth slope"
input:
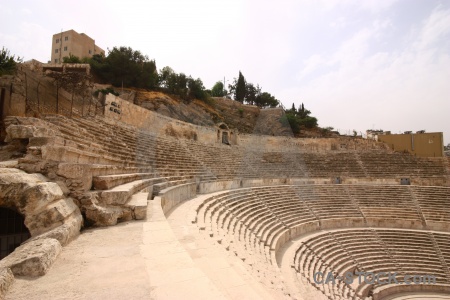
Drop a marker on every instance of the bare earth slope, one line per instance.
(245, 118)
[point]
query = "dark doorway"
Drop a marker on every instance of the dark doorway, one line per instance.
(12, 231)
(225, 138)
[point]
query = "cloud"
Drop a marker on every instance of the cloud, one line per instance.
(434, 29)
(405, 88)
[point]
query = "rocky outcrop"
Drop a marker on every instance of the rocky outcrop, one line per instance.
(42, 203)
(33, 258)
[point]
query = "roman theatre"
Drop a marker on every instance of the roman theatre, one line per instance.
(132, 204)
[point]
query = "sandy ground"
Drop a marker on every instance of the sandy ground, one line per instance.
(142, 260)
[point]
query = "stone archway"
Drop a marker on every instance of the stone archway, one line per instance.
(51, 218)
(223, 134)
(13, 231)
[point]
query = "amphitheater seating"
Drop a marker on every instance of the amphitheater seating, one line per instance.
(434, 202)
(97, 141)
(406, 252)
(250, 221)
(130, 166)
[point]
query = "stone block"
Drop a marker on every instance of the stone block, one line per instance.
(33, 258)
(80, 172)
(66, 232)
(26, 132)
(6, 281)
(36, 198)
(51, 217)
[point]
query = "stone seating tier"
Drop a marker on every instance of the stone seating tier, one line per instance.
(372, 250)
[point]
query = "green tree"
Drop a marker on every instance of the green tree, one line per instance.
(196, 89)
(302, 112)
(164, 75)
(240, 88)
(8, 62)
(293, 122)
(308, 122)
(126, 66)
(251, 93)
(71, 59)
(218, 90)
(265, 99)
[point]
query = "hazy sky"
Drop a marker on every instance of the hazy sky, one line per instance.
(356, 64)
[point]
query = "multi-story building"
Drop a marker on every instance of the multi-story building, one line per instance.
(421, 143)
(72, 42)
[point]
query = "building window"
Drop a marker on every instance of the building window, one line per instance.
(65, 48)
(90, 51)
(56, 50)
(57, 41)
(56, 60)
(66, 38)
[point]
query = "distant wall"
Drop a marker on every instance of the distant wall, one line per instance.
(286, 144)
(120, 110)
(430, 144)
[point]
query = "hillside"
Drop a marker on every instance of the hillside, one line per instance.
(70, 93)
(245, 118)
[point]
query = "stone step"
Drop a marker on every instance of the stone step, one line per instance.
(120, 194)
(138, 204)
(107, 182)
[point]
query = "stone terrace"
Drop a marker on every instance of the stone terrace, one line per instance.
(116, 173)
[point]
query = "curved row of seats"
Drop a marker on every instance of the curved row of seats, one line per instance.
(255, 222)
(289, 205)
(128, 161)
(111, 143)
(239, 162)
(349, 251)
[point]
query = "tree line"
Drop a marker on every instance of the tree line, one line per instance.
(124, 66)
(243, 91)
(300, 117)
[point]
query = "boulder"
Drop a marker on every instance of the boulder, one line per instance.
(33, 258)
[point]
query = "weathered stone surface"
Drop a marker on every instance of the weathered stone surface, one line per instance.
(66, 232)
(80, 172)
(36, 198)
(33, 258)
(6, 280)
(41, 141)
(42, 203)
(13, 183)
(26, 132)
(103, 216)
(9, 164)
(51, 217)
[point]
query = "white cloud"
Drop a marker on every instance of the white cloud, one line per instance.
(404, 89)
(434, 29)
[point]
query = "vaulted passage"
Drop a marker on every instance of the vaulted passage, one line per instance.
(12, 231)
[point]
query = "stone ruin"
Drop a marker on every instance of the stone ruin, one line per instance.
(255, 197)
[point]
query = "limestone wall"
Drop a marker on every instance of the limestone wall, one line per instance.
(173, 196)
(119, 110)
(286, 144)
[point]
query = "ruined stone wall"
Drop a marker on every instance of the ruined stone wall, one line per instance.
(119, 110)
(286, 144)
